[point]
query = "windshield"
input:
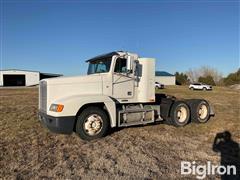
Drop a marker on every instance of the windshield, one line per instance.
(99, 66)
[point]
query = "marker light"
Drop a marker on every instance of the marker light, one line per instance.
(56, 107)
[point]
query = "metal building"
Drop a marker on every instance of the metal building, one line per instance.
(165, 78)
(17, 77)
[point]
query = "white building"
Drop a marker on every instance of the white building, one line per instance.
(165, 78)
(17, 77)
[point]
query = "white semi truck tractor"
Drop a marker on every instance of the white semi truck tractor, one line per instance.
(118, 91)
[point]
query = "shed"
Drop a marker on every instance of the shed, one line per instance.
(165, 78)
(17, 77)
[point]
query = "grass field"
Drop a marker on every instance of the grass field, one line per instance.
(27, 150)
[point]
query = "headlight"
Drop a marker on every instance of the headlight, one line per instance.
(56, 107)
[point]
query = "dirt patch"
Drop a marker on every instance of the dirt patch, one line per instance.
(28, 150)
(235, 86)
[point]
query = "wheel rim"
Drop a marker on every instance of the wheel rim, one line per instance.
(182, 114)
(203, 111)
(93, 124)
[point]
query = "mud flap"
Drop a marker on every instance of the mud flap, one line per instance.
(212, 111)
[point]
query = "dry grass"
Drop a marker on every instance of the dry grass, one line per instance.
(27, 150)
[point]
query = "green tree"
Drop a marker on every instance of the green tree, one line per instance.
(232, 78)
(207, 80)
(181, 78)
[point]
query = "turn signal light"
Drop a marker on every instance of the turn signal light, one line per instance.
(56, 107)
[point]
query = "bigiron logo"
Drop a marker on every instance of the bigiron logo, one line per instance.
(201, 171)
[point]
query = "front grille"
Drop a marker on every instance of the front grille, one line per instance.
(43, 96)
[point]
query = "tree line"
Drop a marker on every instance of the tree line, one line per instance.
(207, 75)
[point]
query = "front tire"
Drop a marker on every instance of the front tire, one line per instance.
(92, 123)
(179, 114)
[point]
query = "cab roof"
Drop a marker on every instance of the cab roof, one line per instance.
(104, 56)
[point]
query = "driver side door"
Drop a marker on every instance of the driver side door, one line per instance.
(123, 82)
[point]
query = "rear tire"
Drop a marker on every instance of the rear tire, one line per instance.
(179, 114)
(200, 110)
(92, 123)
(192, 88)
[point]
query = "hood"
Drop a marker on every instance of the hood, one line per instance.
(74, 80)
(62, 87)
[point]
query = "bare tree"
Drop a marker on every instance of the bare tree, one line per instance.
(208, 71)
(204, 71)
(193, 75)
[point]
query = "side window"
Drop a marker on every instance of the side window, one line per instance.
(121, 65)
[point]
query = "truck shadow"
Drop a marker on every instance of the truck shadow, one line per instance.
(230, 153)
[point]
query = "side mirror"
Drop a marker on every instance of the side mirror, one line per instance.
(129, 64)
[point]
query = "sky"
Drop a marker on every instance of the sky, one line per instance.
(58, 36)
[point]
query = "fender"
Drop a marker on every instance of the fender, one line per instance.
(73, 103)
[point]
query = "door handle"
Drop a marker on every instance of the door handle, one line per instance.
(129, 93)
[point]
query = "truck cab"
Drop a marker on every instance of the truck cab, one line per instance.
(118, 90)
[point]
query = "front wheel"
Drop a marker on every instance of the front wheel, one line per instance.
(92, 123)
(179, 114)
